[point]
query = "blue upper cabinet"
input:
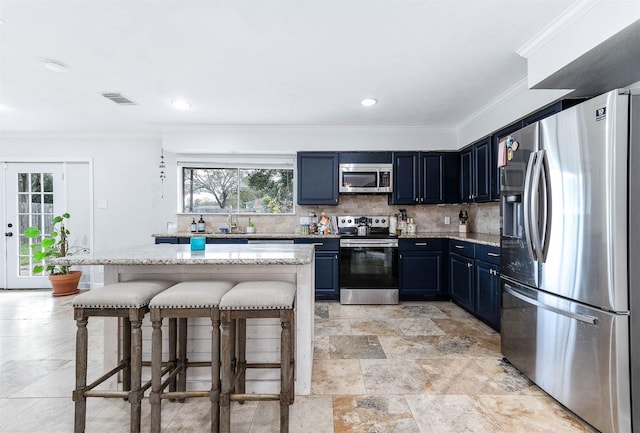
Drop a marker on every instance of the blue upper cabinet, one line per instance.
(406, 175)
(475, 172)
(425, 178)
(318, 178)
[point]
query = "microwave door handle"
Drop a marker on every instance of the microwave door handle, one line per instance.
(546, 207)
(527, 204)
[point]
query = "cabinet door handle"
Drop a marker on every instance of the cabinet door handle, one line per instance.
(336, 257)
(317, 244)
(400, 256)
(460, 247)
(469, 265)
(421, 244)
(493, 254)
(417, 201)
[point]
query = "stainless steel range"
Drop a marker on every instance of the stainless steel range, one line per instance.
(368, 260)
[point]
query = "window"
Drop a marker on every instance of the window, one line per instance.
(243, 189)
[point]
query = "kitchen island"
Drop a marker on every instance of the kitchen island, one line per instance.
(286, 262)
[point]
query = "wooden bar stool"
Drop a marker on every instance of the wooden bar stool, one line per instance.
(183, 301)
(249, 300)
(130, 302)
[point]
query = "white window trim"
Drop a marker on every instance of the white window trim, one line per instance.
(266, 161)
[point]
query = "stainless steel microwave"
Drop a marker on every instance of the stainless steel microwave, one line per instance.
(366, 178)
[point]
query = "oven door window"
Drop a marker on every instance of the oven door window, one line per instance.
(369, 268)
(360, 179)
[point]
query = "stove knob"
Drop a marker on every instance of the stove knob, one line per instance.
(342, 220)
(377, 220)
(349, 220)
(383, 220)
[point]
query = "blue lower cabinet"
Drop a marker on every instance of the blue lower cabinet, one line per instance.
(487, 300)
(474, 280)
(166, 241)
(327, 267)
(461, 280)
(422, 269)
(227, 241)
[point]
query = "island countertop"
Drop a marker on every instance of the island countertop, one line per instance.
(172, 254)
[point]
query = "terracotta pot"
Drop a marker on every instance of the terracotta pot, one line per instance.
(64, 285)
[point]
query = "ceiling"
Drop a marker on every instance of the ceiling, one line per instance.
(286, 62)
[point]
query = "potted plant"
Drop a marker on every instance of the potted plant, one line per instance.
(55, 244)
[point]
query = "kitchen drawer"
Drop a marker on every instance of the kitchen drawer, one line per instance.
(488, 253)
(463, 248)
(328, 244)
(422, 244)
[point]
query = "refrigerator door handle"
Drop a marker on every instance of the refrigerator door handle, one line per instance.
(546, 210)
(580, 317)
(527, 204)
(535, 205)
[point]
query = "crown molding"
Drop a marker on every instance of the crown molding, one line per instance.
(557, 26)
(519, 87)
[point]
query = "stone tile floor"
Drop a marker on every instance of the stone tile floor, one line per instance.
(410, 368)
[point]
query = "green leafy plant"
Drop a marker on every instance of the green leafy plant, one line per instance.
(53, 245)
(249, 224)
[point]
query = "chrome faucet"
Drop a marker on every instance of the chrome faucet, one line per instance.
(232, 225)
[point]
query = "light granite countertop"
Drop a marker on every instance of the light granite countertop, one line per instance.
(242, 235)
(213, 254)
(478, 238)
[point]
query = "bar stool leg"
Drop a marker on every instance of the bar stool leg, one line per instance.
(241, 367)
(156, 369)
(285, 369)
(81, 372)
(215, 370)
(173, 360)
(135, 396)
(126, 354)
(226, 355)
(182, 355)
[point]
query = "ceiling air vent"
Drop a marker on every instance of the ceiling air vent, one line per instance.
(119, 99)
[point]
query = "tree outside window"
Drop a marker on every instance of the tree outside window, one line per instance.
(244, 190)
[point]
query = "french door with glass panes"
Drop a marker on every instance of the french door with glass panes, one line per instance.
(34, 194)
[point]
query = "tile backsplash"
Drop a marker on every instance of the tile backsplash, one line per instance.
(483, 217)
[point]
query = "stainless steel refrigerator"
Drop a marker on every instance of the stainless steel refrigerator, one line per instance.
(570, 270)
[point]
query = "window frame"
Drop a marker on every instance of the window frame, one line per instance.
(235, 162)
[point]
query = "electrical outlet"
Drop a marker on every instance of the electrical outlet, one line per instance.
(447, 220)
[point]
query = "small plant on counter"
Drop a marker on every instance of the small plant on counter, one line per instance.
(249, 223)
(53, 245)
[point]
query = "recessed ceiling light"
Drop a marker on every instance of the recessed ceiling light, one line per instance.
(181, 104)
(369, 102)
(55, 66)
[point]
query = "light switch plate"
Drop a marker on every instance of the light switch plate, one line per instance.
(447, 220)
(102, 204)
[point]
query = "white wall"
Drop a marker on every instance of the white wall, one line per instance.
(289, 140)
(125, 174)
(513, 105)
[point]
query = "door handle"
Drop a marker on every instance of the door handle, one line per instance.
(577, 316)
(9, 234)
(527, 204)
